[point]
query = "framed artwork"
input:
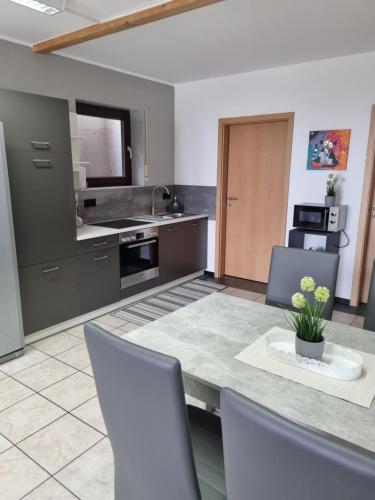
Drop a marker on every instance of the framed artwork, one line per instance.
(328, 149)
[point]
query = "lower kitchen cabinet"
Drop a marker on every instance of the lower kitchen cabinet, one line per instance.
(99, 279)
(182, 249)
(49, 294)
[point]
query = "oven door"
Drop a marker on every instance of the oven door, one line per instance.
(139, 261)
(310, 217)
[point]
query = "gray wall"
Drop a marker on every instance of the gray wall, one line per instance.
(57, 76)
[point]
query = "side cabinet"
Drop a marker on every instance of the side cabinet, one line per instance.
(49, 294)
(99, 275)
(182, 249)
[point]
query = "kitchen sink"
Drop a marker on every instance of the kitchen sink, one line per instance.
(163, 216)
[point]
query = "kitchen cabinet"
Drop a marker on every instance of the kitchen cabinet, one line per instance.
(43, 206)
(95, 244)
(49, 294)
(99, 279)
(34, 122)
(182, 249)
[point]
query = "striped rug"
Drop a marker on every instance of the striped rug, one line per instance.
(169, 300)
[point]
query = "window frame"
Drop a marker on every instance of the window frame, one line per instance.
(100, 111)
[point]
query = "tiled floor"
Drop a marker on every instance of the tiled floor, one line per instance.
(53, 443)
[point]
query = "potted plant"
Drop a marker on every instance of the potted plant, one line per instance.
(330, 198)
(308, 322)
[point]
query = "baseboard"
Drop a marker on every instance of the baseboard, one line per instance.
(340, 300)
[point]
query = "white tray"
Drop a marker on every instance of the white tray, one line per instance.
(338, 362)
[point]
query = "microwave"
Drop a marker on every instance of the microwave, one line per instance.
(318, 217)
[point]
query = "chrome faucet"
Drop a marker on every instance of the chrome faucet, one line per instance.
(153, 196)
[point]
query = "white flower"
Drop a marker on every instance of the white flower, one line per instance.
(307, 284)
(298, 300)
(322, 294)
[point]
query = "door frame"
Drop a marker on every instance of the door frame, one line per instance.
(364, 216)
(222, 177)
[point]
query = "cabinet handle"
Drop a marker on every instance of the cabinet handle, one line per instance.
(50, 270)
(170, 229)
(42, 163)
(100, 258)
(40, 145)
(196, 224)
(100, 244)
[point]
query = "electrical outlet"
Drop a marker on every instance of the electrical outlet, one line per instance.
(91, 202)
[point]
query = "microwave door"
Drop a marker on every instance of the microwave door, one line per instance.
(314, 218)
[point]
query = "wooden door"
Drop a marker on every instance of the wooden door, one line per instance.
(370, 253)
(257, 185)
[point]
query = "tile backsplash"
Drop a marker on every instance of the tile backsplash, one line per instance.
(122, 202)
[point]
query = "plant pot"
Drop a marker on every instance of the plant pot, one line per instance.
(330, 201)
(312, 350)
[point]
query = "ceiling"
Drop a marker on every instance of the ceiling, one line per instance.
(234, 36)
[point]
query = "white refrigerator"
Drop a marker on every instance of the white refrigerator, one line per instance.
(11, 330)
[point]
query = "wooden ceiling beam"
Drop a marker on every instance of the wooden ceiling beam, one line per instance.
(98, 30)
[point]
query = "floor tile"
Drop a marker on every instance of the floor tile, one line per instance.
(12, 392)
(358, 322)
(4, 444)
(90, 476)
(88, 371)
(106, 327)
(50, 490)
(343, 317)
(30, 358)
(28, 416)
(60, 442)
(129, 327)
(77, 331)
(57, 343)
(78, 356)
(118, 332)
(91, 413)
(262, 299)
(18, 474)
(243, 294)
(44, 374)
(3, 375)
(110, 320)
(72, 391)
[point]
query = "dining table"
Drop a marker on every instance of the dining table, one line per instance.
(207, 335)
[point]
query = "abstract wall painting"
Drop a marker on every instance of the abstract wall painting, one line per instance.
(328, 150)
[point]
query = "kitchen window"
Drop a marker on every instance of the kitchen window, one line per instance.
(105, 144)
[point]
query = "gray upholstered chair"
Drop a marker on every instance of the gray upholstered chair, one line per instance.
(159, 453)
(270, 458)
(290, 265)
(369, 323)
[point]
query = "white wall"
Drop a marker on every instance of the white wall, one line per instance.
(331, 94)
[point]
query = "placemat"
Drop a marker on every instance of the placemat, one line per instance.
(360, 391)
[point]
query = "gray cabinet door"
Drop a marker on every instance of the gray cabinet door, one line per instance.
(49, 294)
(172, 263)
(195, 233)
(95, 244)
(99, 278)
(43, 206)
(34, 122)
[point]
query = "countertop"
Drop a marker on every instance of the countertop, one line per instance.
(205, 337)
(86, 232)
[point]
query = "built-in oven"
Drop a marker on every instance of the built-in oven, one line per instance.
(139, 256)
(318, 217)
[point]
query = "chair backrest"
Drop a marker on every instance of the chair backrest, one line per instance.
(143, 404)
(268, 457)
(290, 265)
(369, 323)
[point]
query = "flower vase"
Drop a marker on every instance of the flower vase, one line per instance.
(330, 201)
(313, 350)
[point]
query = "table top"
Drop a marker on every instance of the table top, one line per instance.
(206, 335)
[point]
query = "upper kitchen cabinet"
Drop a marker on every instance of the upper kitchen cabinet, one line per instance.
(34, 122)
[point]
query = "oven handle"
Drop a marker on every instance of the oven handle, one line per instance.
(325, 223)
(141, 244)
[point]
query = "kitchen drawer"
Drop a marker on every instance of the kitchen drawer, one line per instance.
(49, 294)
(99, 277)
(41, 186)
(95, 244)
(34, 122)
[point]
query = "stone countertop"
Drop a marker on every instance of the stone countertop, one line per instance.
(205, 337)
(89, 231)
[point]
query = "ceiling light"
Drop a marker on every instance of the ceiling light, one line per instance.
(49, 7)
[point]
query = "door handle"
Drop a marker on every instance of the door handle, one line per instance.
(40, 145)
(373, 211)
(105, 257)
(42, 163)
(232, 198)
(50, 270)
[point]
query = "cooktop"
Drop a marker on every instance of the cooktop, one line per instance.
(121, 223)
